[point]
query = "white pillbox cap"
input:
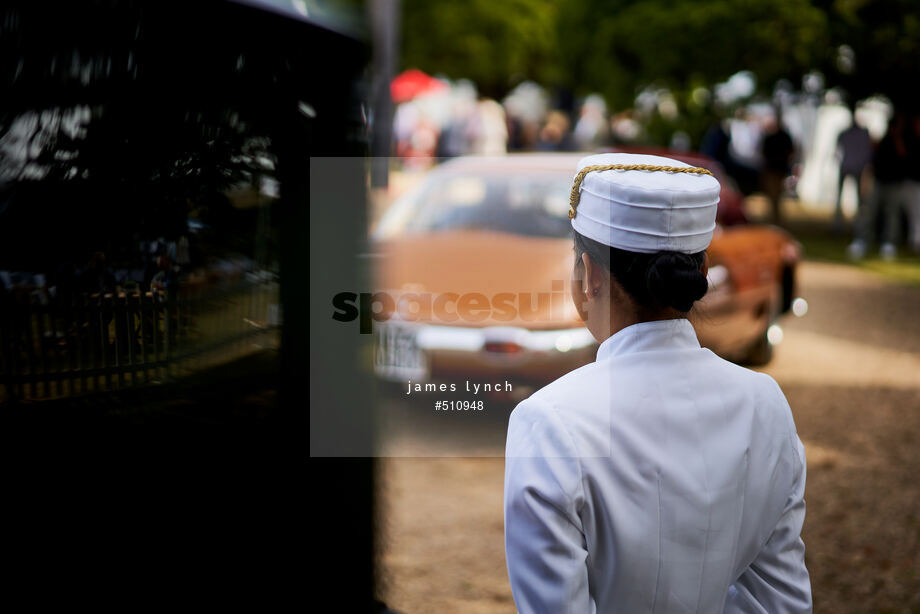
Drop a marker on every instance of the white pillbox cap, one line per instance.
(646, 211)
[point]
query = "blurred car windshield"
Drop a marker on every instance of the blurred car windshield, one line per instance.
(530, 205)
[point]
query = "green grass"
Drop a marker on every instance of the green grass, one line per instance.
(820, 244)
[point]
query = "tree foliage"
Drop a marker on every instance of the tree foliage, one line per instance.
(494, 43)
(885, 38)
(618, 46)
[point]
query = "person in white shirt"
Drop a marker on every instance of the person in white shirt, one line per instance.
(660, 478)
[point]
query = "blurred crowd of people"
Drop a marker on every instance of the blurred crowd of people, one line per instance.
(451, 120)
(758, 151)
(455, 121)
(761, 145)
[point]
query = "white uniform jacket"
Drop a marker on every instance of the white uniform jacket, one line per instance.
(658, 479)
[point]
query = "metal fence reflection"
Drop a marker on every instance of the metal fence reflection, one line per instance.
(52, 347)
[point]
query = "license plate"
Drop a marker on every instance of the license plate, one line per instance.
(397, 356)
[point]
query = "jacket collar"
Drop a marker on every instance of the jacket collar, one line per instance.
(648, 336)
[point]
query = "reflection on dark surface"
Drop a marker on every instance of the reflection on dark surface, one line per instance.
(138, 180)
(154, 165)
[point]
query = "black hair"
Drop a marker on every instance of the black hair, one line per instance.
(660, 280)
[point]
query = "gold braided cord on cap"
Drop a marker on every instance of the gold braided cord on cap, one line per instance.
(576, 189)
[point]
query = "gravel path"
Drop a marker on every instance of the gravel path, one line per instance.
(851, 371)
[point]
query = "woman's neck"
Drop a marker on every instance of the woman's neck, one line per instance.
(625, 312)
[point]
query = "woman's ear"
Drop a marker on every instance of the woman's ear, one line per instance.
(593, 280)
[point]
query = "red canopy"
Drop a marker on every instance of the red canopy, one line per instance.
(412, 83)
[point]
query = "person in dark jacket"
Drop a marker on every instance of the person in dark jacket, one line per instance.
(890, 166)
(777, 150)
(854, 150)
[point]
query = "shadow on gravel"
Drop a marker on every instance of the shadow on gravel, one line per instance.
(862, 528)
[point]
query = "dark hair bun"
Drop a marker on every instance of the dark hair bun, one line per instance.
(675, 280)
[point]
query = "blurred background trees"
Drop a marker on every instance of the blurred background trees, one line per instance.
(494, 44)
(618, 47)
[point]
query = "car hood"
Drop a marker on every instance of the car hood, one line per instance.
(519, 281)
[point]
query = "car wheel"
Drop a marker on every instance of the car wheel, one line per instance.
(761, 351)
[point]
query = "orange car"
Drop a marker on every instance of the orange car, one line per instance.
(473, 267)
